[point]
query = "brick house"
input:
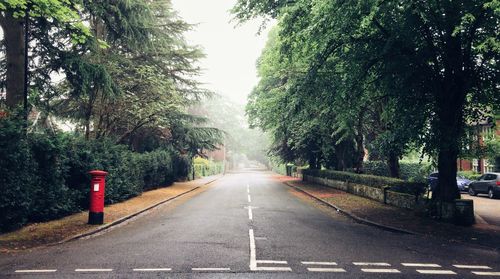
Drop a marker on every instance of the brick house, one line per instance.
(480, 165)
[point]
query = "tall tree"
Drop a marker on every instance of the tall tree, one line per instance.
(438, 60)
(13, 16)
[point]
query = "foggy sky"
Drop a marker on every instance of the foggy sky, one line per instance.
(231, 51)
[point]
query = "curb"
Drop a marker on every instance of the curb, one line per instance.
(123, 219)
(352, 215)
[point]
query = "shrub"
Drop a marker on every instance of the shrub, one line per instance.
(17, 181)
(397, 185)
(471, 175)
(51, 196)
(417, 172)
(46, 176)
(204, 167)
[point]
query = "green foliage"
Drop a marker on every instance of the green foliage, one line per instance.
(416, 172)
(396, 185)
(17, 182)
(239, 139)
(471, 175)
(388, 75)
(47, 177)
(203, 167)
(125, 81)
(59, 11)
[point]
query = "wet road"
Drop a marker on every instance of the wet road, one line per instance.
(250, 225)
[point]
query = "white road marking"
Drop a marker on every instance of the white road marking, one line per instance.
(35, 270)
(250, 215)
(248, 188)
(486, 273)
(380, 270)
(249, 198)
(271, 262)
(93, 270)
(421, 264)
(152, 269)
(471, 266)
(323, 269)
(273, 269)
(210, 269)
(373, 264)
(433, 271)
(253, 261)
(319, 263)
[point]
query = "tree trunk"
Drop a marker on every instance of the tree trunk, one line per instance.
(13, 29)
(449, 129)
(393, 163)
(313, 162)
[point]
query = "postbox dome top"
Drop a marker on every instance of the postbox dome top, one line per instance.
(98, 173)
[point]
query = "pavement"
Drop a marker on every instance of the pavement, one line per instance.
(249, 224)
(36, 235)
(488, 209)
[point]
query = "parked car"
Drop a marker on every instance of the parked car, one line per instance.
(488, 183)
(462, 182)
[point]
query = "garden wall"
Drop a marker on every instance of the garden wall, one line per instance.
(381, 193)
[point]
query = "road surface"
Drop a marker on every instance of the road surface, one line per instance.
(488, 209)
(249, 225)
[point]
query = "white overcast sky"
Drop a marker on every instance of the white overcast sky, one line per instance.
(231, 51)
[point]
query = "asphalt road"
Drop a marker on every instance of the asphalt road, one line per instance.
(249, 225)
(488, 209)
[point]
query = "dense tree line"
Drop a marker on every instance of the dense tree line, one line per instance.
(390, 76)
(117, 69)
(121, 76)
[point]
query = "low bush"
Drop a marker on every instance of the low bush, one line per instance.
(415, 172)
(204, 167)
(471, 175)
(397, 185)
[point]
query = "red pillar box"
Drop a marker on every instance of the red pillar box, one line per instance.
(96, 208)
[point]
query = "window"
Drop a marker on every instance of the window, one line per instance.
(487, 166)
(490, 177)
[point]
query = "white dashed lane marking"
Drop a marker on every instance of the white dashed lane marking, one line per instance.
(152, 269)
(370, 264)
(253, 256)
(210, 269)
(380, 270)
(249, 198)
(319, 263)
(35, 270)
(272, 268)
(471, 266)
(270, 262)
(93, 270)
(325, 269)
(486, 273)
(420, 265)
(436, 271)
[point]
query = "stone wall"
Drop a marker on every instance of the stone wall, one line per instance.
(383, 195)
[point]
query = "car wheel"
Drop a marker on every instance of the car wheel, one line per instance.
(472, 192)
(491, 194)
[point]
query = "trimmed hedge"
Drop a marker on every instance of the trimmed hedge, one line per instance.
(417, 172)
(396, 185)
(203, 167)
(45, 177)
(471, 175)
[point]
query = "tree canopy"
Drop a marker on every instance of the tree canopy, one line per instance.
(382, 75)
(119, 70)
